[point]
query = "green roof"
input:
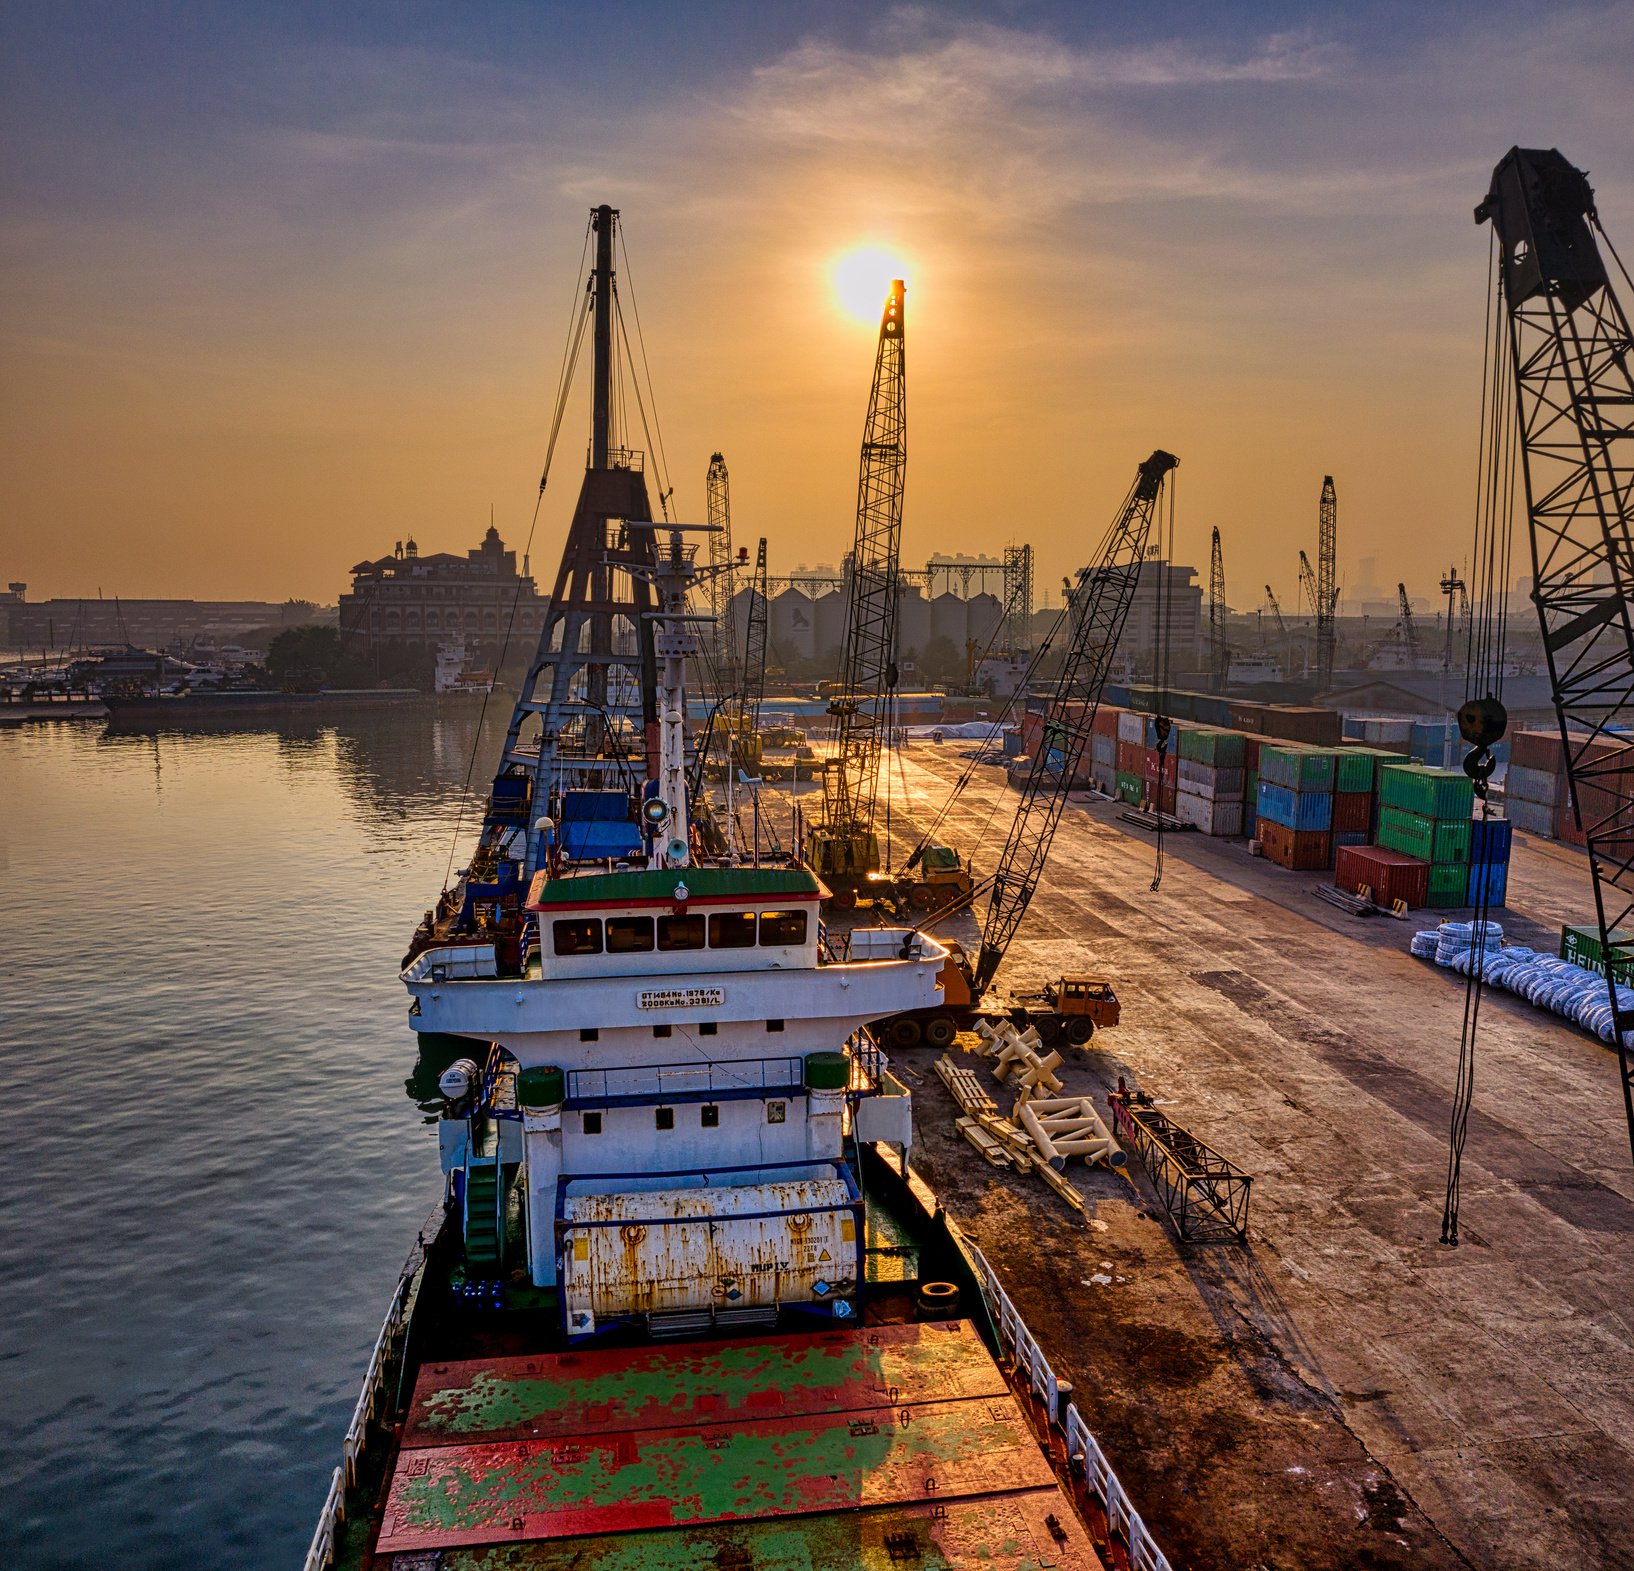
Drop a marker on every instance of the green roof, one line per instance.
(702, 883)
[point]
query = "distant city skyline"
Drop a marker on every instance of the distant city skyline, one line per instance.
(284, 284)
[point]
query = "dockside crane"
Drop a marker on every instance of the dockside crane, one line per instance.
(1571, 364)
(1219, 654)
(1406, 629)
(1327, 579)
(844, 849)
(1276, 611)
(718, 487)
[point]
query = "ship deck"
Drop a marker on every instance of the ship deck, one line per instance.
(867, 1446)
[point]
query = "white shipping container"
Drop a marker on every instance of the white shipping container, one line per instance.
(1533, 785)
(1132, 728)
(1103, 749)
(1218, 785)
(1214, 816)
(1534, 818)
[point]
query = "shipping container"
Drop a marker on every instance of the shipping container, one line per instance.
(1298, 768)
(1489, 840)
(1392, 731)
(1525, 784)
(1103, 750)
(1350, 837)
(1214, 816)
(1536, 749)
(1581, 945)
(1220, 784)
(1391, 875)
(1247, 716)
(1442, 840)
(1305, 810)
(1531, 818)
(1132, 727)
(1222, 749)
(1300, 850)
(1130, 758)
(1449, 885)
(1353, 812)
(1492, 880)
(1127, 787)
(1106, 720)
(1431, 793)
(1297, 723)
(1355, 769)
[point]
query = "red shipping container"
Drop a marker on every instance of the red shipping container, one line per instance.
(1106, 720)
(1148, 768)
(1300, 850)
(1391, 875)
(1536, 750)
(1352, 812)
(1566, 823)
(1296, 723)
(1131, 758)
(1247, 716)
(1251, 754)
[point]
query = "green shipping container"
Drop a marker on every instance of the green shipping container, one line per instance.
(1128, 788)
(1357, 769)
(1431, 793)
(1444, 840)
(1217, 749)
(1581, 946)
(1449, 884)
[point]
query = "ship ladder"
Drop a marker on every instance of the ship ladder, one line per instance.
(482, 1215)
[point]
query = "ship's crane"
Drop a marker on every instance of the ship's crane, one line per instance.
(1219, 654)
(1327, 579)
(1276, 611)
(718, 487)
(1571, 359)
(753, 679)
(844, 849)
(1406, 629)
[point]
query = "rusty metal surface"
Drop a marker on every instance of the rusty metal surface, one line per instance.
(611, 1389)
(1010, 1532)
(503, 1491)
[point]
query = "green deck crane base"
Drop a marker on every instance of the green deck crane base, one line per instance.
(769, 1467)
(1010, 1532)
(610, 1389)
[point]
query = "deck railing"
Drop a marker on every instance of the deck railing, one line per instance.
(321, 1551)
(1082, 1448)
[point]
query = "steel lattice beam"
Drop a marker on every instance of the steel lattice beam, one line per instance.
(1571, 352)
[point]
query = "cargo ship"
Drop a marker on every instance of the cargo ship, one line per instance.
(683, 1300)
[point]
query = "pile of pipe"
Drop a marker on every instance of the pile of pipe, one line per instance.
(1570, 991)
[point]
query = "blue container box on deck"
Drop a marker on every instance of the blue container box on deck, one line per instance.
(1494, 878)
(1490, 840)
(1295, 809)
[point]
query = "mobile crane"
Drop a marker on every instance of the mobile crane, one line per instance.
(1093, 620)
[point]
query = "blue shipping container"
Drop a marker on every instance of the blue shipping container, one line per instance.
(1490, 840)
(1495, 879)
(1295, 809)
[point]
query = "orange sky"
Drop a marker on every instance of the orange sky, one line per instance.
(274, 300)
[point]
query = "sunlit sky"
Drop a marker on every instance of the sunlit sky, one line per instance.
(285, 283)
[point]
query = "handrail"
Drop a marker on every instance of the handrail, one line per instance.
(1083, 1451)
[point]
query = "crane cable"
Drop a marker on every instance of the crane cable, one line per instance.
(577, 321)
(1485, 656)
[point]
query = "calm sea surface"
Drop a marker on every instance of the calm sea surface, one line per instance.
(211, 1171)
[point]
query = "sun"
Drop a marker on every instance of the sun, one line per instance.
(862, 279)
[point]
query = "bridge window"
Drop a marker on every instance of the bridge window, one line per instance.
(783, 927)
(664, 1118)
(578, 936)
(732, 930)
(629, 935)
(680, 932)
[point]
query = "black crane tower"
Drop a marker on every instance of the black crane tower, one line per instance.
(844, 848)
(1572, 363)
(1219, 655)
(717, 486)
(1327, 579)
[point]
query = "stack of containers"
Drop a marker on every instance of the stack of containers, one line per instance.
(1582, 946)
(1489, 842)
(1355, 796)
(1426, 813)
(1131, 756)
(1535, 784)
(1599, 797)
(1251, 779)
(1209, 789)
(1155, 792)
(1295, 805)
(1103, 749)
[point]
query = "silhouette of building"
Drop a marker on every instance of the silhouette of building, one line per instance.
(408, 601)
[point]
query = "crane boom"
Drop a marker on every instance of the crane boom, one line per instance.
(1219, 655)
(844, 847)
(1096, 614)
(1276, 611)
(720, 561)
(1572, 356)
(754, 646)
(1327, 578)
(1409, 631)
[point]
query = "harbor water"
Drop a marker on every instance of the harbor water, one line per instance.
(212, 1170)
